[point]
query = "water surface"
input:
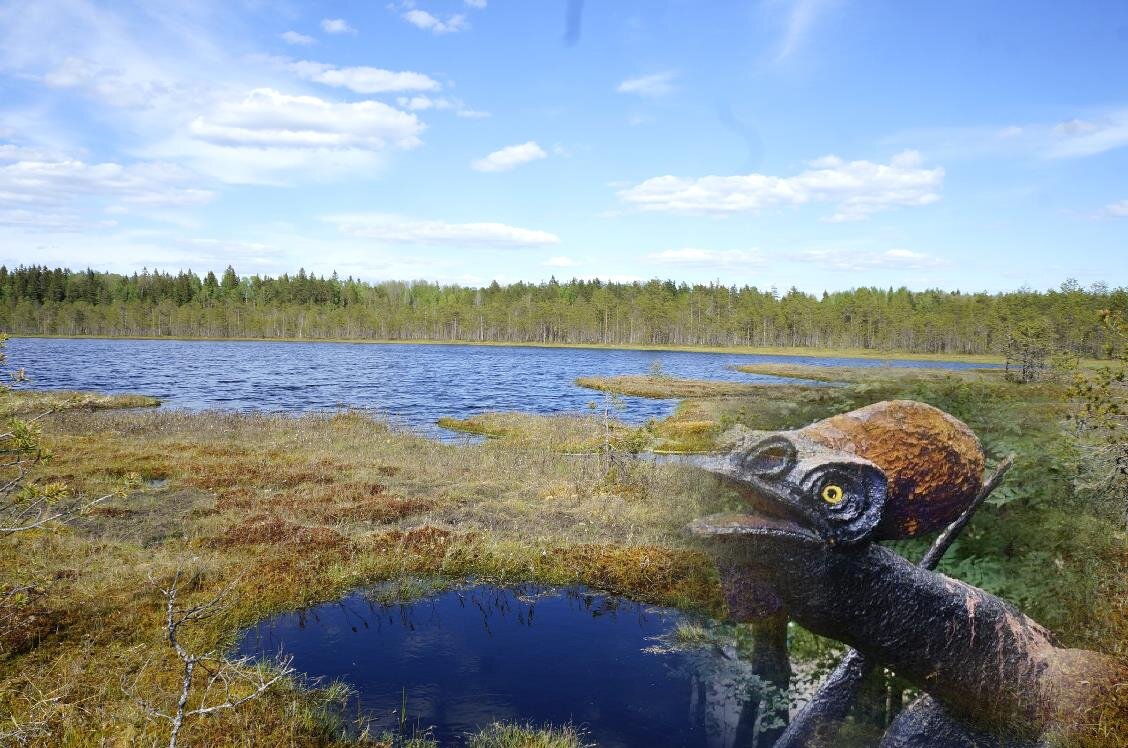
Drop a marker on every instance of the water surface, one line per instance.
(465, 658)
(412, 384)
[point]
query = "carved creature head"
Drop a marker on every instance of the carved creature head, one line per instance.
(892, 470)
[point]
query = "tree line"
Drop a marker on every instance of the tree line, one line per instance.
(38, 300)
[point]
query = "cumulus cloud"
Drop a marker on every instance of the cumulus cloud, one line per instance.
(857, 189)
(424, 20)
(362, 79)
(691, 256)
(510, 156)
(336, 26)
(402, 230)
(269, 118)
(851, 259)
(472, 114)
(299, 40)
(655, 85)
(269, 137)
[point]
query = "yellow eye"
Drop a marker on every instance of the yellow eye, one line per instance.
(832, 494)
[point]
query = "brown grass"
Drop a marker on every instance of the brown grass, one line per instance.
(295, 511)
(34, 402)
(668, 388)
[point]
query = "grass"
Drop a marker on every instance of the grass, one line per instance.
(662, 387)
(34, 402)
(512, 735)
(293, 511)
(584, 434)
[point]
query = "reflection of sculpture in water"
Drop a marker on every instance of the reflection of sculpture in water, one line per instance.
(817, 499)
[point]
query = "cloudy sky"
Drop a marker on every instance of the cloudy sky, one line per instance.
(819, 143)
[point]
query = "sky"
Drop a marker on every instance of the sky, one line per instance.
(821, 144)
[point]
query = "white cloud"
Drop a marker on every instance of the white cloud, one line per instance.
(561, 262)
(43, 190)
(1076, 137)
(478, 4)
(268, 118)
(857, 189)
(851, 259)
(403, 230)
(336, 26)
(422, 103)
(708, 257)
(362, 79)
(299, 40)
(269, 137)
(472, 114)
(658, 84)
(1116, 210)
(510, 156)
(1096, 133)
(424, 20)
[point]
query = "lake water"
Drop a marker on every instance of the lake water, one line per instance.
(463, 659)
(411, 384)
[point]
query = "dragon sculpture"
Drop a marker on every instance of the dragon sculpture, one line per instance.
(814, 504)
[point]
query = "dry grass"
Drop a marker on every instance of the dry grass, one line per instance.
(295, 511)
(34, 402)
(561, 433)
(669, 388)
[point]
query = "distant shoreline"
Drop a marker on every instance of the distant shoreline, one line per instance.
(857, 353)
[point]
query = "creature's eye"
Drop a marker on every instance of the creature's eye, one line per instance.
(832, 494)
(771, 458)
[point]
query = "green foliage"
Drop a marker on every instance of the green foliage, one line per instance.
(1101, 422)
(38, 300)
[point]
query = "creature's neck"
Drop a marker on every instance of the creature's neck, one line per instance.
(973, 651)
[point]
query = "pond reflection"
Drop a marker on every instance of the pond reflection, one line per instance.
(464, 658)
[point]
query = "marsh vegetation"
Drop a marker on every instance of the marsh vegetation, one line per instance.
(287, 512)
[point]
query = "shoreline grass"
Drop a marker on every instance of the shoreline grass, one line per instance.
(25, 402)
(847, 353)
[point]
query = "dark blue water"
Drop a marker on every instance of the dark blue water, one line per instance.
(413, 384)
(466, 658)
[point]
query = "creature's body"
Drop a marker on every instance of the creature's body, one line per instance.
(816, 504)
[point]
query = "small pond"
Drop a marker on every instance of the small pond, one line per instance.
(465, 658)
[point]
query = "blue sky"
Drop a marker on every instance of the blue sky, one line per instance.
(824, 144)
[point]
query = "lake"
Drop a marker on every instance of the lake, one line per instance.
(410, 384)
(464, 658)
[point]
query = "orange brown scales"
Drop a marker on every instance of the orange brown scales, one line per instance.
(934, 463)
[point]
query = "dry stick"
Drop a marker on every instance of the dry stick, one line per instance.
(832, 701)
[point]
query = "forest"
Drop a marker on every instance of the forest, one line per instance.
(38, 300)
